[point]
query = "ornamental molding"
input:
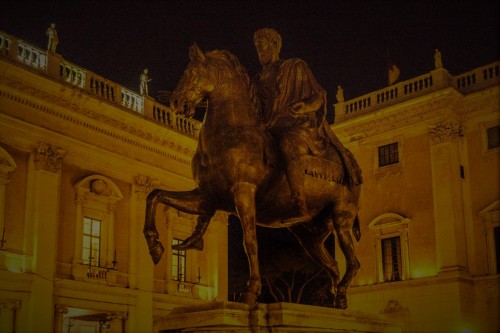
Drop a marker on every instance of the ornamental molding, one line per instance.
(393, 117)
(98, 119)
(393, 307)
(69, 287)
(7, 165)
(445, 132)
(99, 188)
(145, 185)
(48, 157)
(10, 304)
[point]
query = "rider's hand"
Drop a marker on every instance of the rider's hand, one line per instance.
(299, 108)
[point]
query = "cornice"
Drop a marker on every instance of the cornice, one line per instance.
(94, 121)
(400, 115)
(63, 287)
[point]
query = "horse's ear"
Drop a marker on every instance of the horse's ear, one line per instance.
(196, 53)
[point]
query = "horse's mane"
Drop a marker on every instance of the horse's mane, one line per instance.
(224, 60)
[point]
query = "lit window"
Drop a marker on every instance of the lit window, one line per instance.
(391, 257)
(388, 154)
(392, 241)
(91, 241)
(493, 137)
(178, 262)
(94, 239)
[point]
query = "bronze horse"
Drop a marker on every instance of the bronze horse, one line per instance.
(237, 169)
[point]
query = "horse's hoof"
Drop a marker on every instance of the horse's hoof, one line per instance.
(191, 243)
(156, 252)
(340, 302)
(248, 298)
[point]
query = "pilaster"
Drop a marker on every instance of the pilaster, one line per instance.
(8, 309)
(7, 165)
(44, 181)
(59, 312)
(141, 266)
(451, 252)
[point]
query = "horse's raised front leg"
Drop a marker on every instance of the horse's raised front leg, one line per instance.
(190, 202)
(244, 198)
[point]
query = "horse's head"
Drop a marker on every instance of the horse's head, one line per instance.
(194, 84)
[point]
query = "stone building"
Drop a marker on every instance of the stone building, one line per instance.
(79, 154)
(430, 211)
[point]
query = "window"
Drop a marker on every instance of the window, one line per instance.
(391, 259)
(178, 262)
(491, 225)
(493, 137)
(388, 154)
(94, 243)
(392, 247)
(91, 241)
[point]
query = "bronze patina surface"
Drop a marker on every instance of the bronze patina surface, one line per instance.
(242, 162)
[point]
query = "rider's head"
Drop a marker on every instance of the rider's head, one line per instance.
(268, 44)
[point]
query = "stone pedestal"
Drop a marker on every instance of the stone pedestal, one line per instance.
(230, 317)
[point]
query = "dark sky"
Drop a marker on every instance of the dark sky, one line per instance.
(344, 43)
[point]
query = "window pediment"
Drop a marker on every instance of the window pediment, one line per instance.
(98, 188)
(388, 220)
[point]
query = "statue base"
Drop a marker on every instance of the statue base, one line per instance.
(277, 317)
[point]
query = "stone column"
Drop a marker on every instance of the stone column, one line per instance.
(116, 321)
(59, 312)
(447, 197)
(8, 309)
(44, 182)
(141, 266)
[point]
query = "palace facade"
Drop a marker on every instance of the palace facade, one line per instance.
(79, 154)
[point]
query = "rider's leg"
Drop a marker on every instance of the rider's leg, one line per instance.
(294, 151)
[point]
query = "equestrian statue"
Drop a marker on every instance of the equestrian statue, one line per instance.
(266, 154)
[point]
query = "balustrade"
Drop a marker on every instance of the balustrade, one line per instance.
(102, 88)
(4, 44)
(132, 100)
(72, 74)
(32, 56)
(181, 124)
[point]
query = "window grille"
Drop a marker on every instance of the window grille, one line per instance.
(391, 259)
(178, 263)
(493, 134)
(91, 241)
(388, 154)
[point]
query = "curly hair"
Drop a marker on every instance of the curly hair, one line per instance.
(271, 34)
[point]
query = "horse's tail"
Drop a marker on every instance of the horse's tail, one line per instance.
(356, 230)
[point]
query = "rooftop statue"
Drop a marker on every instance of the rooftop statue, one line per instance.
(265, 153)
(53, 39)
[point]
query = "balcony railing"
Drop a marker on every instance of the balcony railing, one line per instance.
(468, 82)
(60, 69)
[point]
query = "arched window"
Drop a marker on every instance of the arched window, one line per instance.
(94, 251)
(391, 244)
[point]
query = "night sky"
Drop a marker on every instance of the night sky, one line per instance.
(347, 43)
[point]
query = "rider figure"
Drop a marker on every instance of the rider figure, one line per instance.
(293, 107)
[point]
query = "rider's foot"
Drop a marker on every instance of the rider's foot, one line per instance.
(194, 242)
